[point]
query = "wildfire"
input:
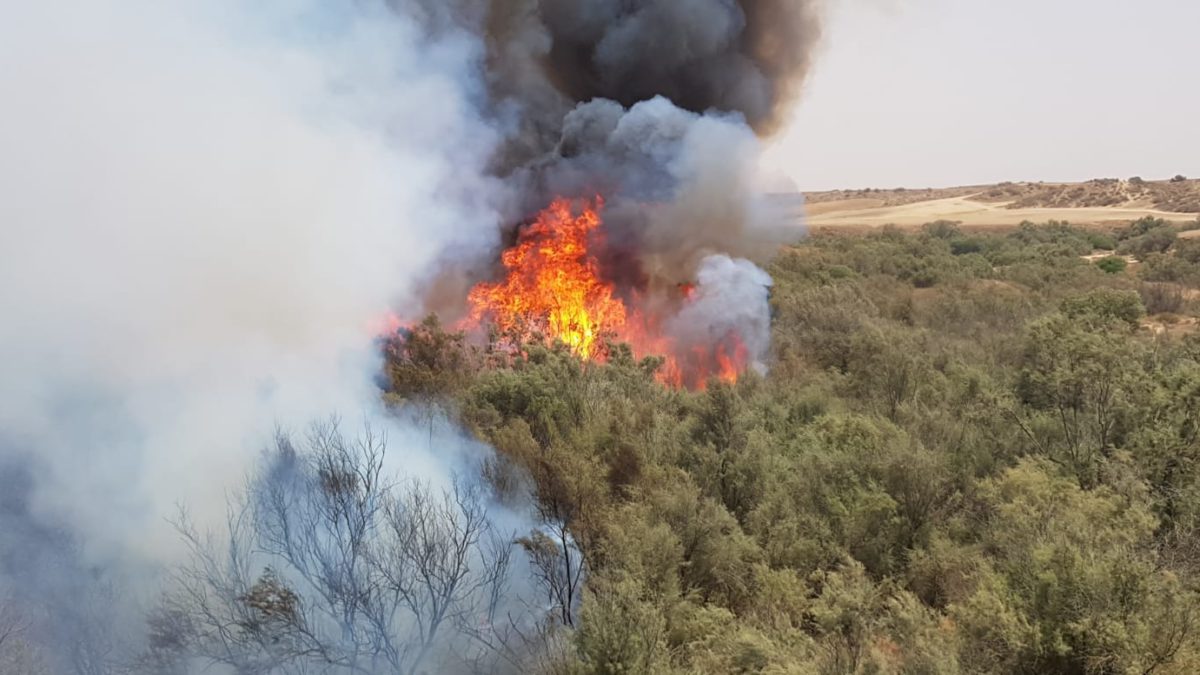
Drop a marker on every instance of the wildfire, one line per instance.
(554, 286)
(692, 369)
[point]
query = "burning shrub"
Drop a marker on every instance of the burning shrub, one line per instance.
(556, 286)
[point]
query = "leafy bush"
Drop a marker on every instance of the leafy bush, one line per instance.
(1102, 241)
(1163, 267)
(1162, 298)
(1140, 227)
(1113, 264)
(1158, 239)
(943, 229)
(1103, 306)
(966, 245)
(1188, 250)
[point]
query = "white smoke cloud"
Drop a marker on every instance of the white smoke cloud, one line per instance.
(732, 295)
(681, 185)
(204, 204)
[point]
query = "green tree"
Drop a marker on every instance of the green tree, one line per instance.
(1071, 582)
(1081, 387)
(620, 633)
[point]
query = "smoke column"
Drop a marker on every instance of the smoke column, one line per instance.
(656, 105)
(204, 206)
(543, 56)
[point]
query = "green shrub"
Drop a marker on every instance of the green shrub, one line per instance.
(1113, 264)
(1104, 305)
(1158, 239)
(1140, 226)
(1102, 241)
(943, 229)
(1188, 250)
(965, 246)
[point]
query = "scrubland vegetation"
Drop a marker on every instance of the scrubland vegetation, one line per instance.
(972, 453)
(1178, 194)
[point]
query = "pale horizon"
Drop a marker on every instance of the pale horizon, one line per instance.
(939, 93)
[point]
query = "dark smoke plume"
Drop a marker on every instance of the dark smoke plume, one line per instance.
(544, 56)
(655, 105)
(744, 56)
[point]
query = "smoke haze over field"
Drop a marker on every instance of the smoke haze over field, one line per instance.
(205, 206)
(197, 231)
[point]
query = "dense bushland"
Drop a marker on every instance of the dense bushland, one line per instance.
(972, 453)
(969, 455)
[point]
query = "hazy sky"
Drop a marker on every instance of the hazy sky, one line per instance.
(947, 92)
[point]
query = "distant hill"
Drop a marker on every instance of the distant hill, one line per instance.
(1178, 196)
(1095, 202)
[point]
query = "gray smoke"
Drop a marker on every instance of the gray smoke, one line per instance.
(728, 55)
(543, 56)
(679, 185)
(205, 207)
(655, 105)
(731, 296)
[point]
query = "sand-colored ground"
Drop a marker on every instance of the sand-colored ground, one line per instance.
(868, 213)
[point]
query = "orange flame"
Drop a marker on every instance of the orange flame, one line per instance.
(695, 366)
(554, 286)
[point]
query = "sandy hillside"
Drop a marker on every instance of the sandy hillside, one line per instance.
(1006, 205)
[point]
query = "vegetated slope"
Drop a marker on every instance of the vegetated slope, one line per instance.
(1179, 196)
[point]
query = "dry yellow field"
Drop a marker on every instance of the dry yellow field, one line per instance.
(860, 213)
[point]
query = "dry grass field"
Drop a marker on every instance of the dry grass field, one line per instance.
(1094, 203)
